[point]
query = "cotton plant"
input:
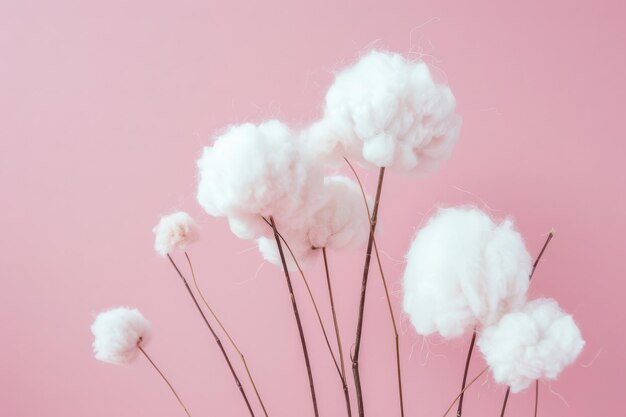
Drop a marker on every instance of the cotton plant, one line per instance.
(119, 335)
(465, 272)
(384, 112)
(282, 189)
(175, 232)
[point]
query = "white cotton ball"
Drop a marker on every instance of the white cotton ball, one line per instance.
(342, 220)
(254, 171)
(387, 111)
(464, 270)
(117, 332)
(536, 342)
(302, 250)
(174, 231)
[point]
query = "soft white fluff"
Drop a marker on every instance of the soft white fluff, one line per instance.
(342, 220)
(387, 111)
(536, 342)
(254, 171)
(174, 231)
(304, 253)
(117, 332)
(463, 270)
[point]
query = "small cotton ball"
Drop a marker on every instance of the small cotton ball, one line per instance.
(302, 250)
(254, 171)
(389, 112)
(117, 333)
(174, 231)
(536, 342)
(342, 221)
(464, 270)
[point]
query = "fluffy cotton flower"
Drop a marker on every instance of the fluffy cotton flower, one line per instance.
(536, 342)
(174, 231)
(462, 270)
(387, 111)
(342, 220)
(254, 171)
(117, 332)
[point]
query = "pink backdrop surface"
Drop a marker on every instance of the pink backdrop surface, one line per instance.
(104, 107)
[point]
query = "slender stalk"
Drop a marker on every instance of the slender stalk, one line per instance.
(382, 276)
(464, 389)
(459, 411)
(230, 339)
(297, 317)
(536, 396)
(337, 335)
(543, 249)
(164, 378)
(312, 298)
(217, 339)
(508, 390)
(506, 399)
(366, 268)
(395, 329)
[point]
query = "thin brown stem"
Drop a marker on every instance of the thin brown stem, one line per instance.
(228, 336)
(337, 335)
(384, 280)
(215, 337)
(164, 378)
(536, 396)
(312, 298)
(459, 411)
(366, 269)
(543, 249)
(508, 390)
(297, 317)
(506, 400)
(464, 389)
(395, 329)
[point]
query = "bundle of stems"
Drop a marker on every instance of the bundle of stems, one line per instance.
(372, 247)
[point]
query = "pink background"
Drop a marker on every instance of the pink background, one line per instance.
(104, 108)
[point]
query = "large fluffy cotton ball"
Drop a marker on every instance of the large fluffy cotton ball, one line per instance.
(536, 342)
(464, 270)
(254, 171)
(387, 111)
(174, 231)
(117, 333)
(342, 221)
